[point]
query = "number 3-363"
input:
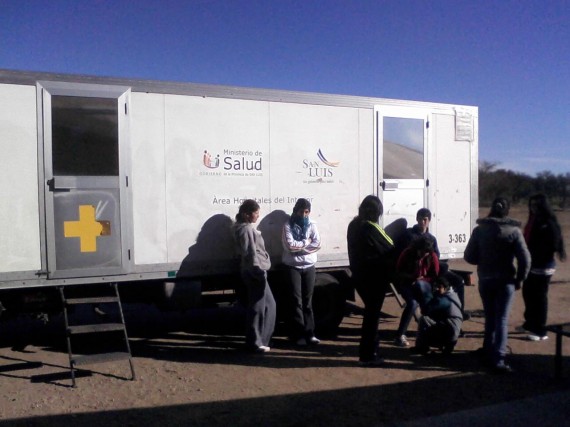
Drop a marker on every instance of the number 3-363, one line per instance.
(457, 238)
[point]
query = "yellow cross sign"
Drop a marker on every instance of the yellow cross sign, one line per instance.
(87, 228)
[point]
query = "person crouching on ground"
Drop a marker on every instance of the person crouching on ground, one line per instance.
(255, 261)
(417, 269)
(441, 323)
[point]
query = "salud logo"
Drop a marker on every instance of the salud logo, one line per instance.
(210, 162)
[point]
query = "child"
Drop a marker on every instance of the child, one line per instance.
(440, 325)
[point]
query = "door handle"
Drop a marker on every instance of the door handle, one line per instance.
(389, 186)
(51, 186)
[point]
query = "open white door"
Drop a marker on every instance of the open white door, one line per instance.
(402, 144)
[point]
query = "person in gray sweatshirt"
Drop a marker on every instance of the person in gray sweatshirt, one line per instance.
(255, 261)
(495, 243)
(440, 325)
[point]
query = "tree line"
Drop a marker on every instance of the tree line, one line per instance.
(518, 187)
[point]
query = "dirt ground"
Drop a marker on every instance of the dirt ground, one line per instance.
(191, 370)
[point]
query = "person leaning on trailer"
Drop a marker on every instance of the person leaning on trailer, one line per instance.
(261, 308)
(301, 241)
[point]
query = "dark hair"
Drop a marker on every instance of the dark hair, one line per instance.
(248, 206)
(422, 243)
(543, 208)
(301, 204)
(370, 209)
(500, 208)
(424, 213)
(440, 280)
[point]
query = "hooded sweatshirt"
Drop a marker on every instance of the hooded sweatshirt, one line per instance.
(493, 246)
(300, 253)
(251, 248)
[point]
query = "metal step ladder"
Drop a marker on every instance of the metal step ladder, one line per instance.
(104, 330)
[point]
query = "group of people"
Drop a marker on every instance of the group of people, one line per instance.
(495, 243)
(301, 241)
(410, 262)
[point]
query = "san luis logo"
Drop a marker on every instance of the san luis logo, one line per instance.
(325, 161)
(320, 169)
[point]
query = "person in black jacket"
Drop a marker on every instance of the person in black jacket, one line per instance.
(371, 256)
(544, 239)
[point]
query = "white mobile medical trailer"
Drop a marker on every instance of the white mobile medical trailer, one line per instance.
(109, 180)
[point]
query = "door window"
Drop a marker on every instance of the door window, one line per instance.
(403, 142)
(84, 136)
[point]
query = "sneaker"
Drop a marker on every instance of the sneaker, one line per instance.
(257, 349)
(314, 340)
(374, 363)
(522, 329)
(533, 337)
(301, 341)
(402, 341)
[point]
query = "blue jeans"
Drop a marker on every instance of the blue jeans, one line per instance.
(416, 295)
(497, 297)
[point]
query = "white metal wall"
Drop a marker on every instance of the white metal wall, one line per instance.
(180, 204)
(19, 210)
(450, 189)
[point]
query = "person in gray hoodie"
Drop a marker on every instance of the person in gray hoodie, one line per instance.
(440, 325)
(301, 241)
(495, 243)
(255, 261)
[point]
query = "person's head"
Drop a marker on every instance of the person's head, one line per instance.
(441, 285)
(500, 208)
(421, 246)
(423, 217)
(302, 208)
(539, 206)
(248, 211)
(370, 209)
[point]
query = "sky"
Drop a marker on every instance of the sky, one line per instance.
(510, 58)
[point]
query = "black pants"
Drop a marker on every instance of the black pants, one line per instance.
(302, 287)
(372, 294)
(535, 296)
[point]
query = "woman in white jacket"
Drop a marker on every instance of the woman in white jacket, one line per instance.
(301, 241)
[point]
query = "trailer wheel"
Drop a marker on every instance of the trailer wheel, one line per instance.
(328, 304)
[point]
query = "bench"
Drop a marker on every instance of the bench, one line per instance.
(562, 329)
